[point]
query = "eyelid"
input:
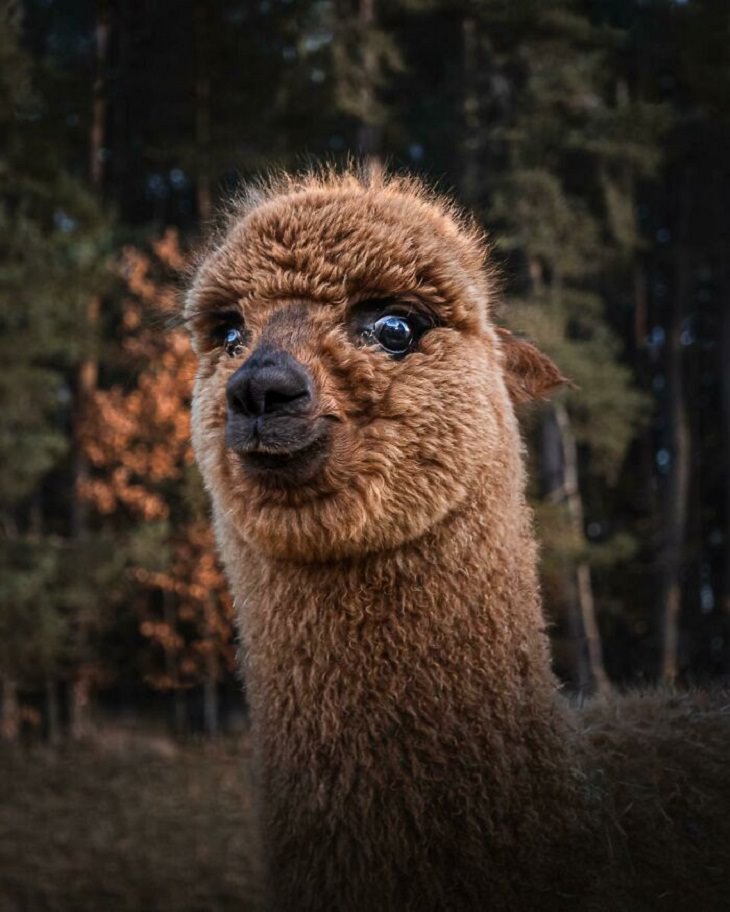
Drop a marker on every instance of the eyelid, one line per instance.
(217, 323)
(228, 316)
(202, 317)
(369, 309)
(420, 310)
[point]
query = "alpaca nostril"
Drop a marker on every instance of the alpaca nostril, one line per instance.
(269, 383)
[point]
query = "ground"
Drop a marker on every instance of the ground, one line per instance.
(140, 828)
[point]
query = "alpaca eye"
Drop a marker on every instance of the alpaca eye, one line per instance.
(395, 326)
(230, 335)
(232, 339)
(394, 333)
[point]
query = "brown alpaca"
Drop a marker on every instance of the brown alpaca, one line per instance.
(354, 422)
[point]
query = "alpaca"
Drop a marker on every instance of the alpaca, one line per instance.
(354, 421)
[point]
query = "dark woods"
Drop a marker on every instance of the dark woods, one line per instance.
(590, 138)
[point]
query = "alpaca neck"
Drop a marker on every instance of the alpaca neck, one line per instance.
(446, 620)
(403, 704)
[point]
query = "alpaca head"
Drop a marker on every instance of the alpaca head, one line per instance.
(351, 384)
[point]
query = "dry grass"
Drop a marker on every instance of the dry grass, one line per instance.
(133, 830)
(138, 824)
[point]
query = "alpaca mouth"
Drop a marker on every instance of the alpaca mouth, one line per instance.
(286, 466)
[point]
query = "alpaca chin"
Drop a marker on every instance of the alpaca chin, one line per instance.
(314, 523)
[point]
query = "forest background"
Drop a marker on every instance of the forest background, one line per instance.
(591, 138)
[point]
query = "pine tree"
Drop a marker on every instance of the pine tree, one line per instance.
(52, 238)
(562, 224)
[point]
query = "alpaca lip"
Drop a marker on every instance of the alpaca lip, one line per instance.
(286, 434)
(289, 465)
(284, 450)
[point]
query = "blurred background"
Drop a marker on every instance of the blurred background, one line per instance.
(590, 137)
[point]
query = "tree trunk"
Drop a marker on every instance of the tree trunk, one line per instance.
(725, 361)
(470, 111)
(79, 708)
(204, 194)
(590, 671)
(179, 713)
(212, 675)
(641, 304)
(571, 654)
(10, 721)
(53, 712)
(88, 370)
(171, 668)
(210, 705)
(596, 673)
(676, 500)
(368, 133)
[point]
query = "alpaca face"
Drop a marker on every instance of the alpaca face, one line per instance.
(350, 385)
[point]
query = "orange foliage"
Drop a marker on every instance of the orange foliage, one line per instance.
(137, 439)
(142, 434)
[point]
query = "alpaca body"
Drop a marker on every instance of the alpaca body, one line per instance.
(411, 757)
(354, 422)
(656, 764)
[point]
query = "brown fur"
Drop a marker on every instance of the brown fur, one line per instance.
(414, 751)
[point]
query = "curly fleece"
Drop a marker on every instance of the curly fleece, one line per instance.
(414, 751)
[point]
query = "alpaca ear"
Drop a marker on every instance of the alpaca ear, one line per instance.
(529, 373)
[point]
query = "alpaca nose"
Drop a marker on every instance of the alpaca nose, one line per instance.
(271, 382)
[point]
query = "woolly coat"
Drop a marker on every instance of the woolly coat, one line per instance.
(414, 750)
